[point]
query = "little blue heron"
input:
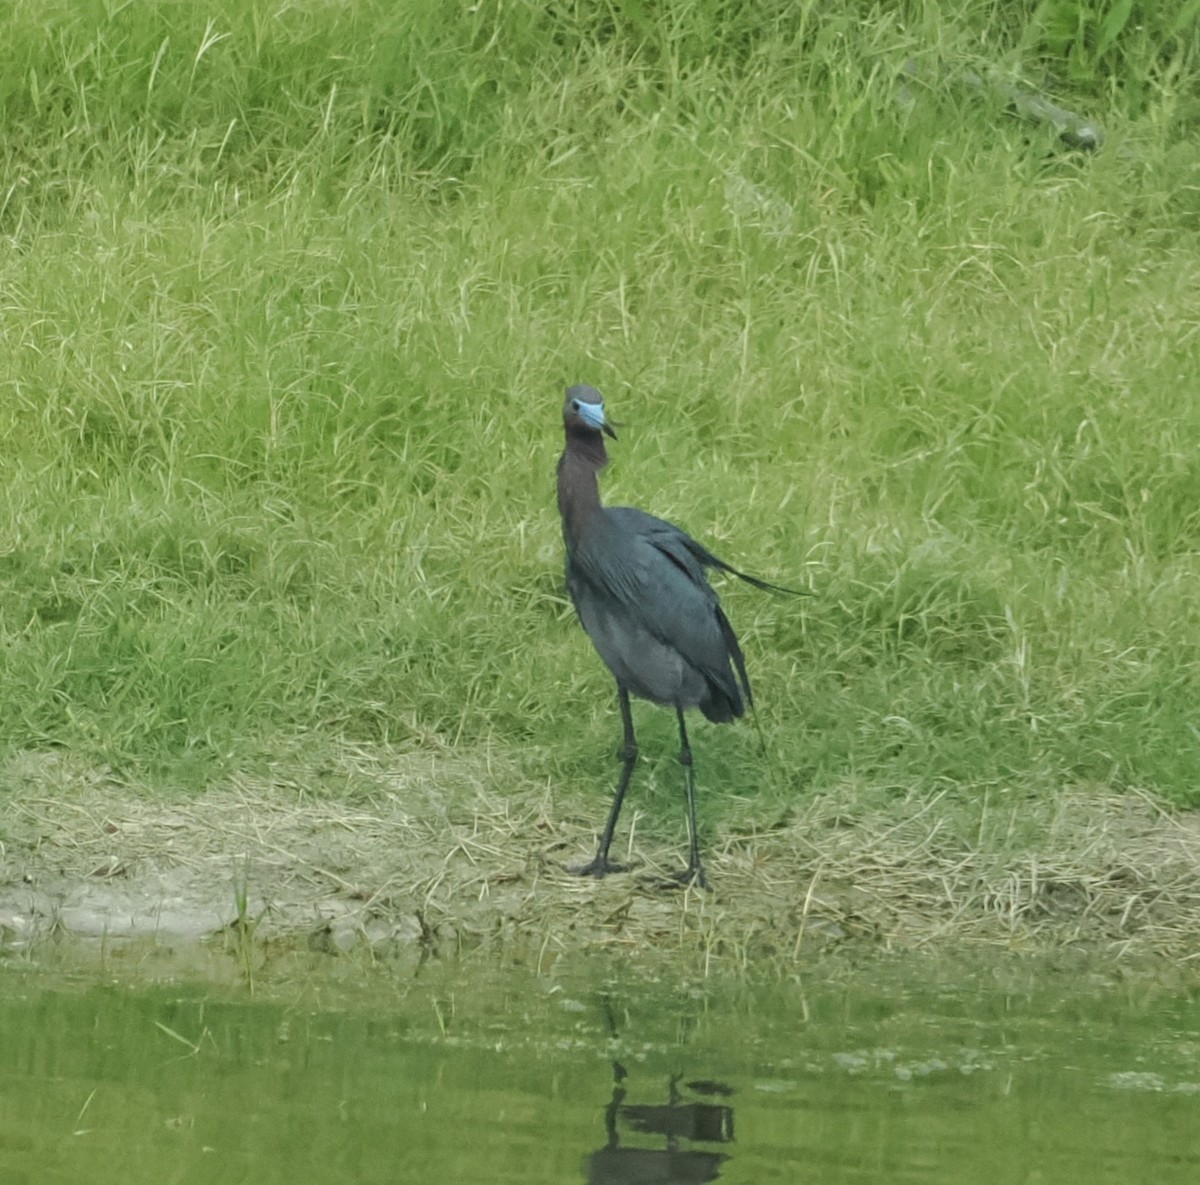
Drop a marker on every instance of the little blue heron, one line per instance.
(639, 586)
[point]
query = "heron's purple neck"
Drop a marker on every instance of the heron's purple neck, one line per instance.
(578, 487)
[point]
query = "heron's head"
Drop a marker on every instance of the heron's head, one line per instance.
(584, 409)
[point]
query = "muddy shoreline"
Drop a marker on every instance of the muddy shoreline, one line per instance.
(426, 857)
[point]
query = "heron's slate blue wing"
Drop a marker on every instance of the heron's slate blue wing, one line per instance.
(643, 597)
(691, 555)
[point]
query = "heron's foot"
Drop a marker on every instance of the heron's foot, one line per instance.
(685, 878)
(599, 868)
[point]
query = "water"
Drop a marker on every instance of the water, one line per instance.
(479, 1074)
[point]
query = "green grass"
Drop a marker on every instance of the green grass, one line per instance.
(290, 293)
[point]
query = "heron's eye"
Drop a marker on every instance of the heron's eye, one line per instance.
(574, 404)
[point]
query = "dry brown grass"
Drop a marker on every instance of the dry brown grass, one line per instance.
(439, 853)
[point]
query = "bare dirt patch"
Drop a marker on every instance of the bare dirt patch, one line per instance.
(434, 853)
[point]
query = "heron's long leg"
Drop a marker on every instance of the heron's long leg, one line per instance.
(601, 865)
(694, 873)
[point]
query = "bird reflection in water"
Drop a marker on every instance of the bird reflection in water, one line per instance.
(680, 1121)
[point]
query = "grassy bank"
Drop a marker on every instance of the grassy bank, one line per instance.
(290, 295)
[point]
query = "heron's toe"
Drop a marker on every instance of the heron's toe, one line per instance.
(685, 878)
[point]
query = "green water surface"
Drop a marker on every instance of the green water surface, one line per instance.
(471, 1072)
